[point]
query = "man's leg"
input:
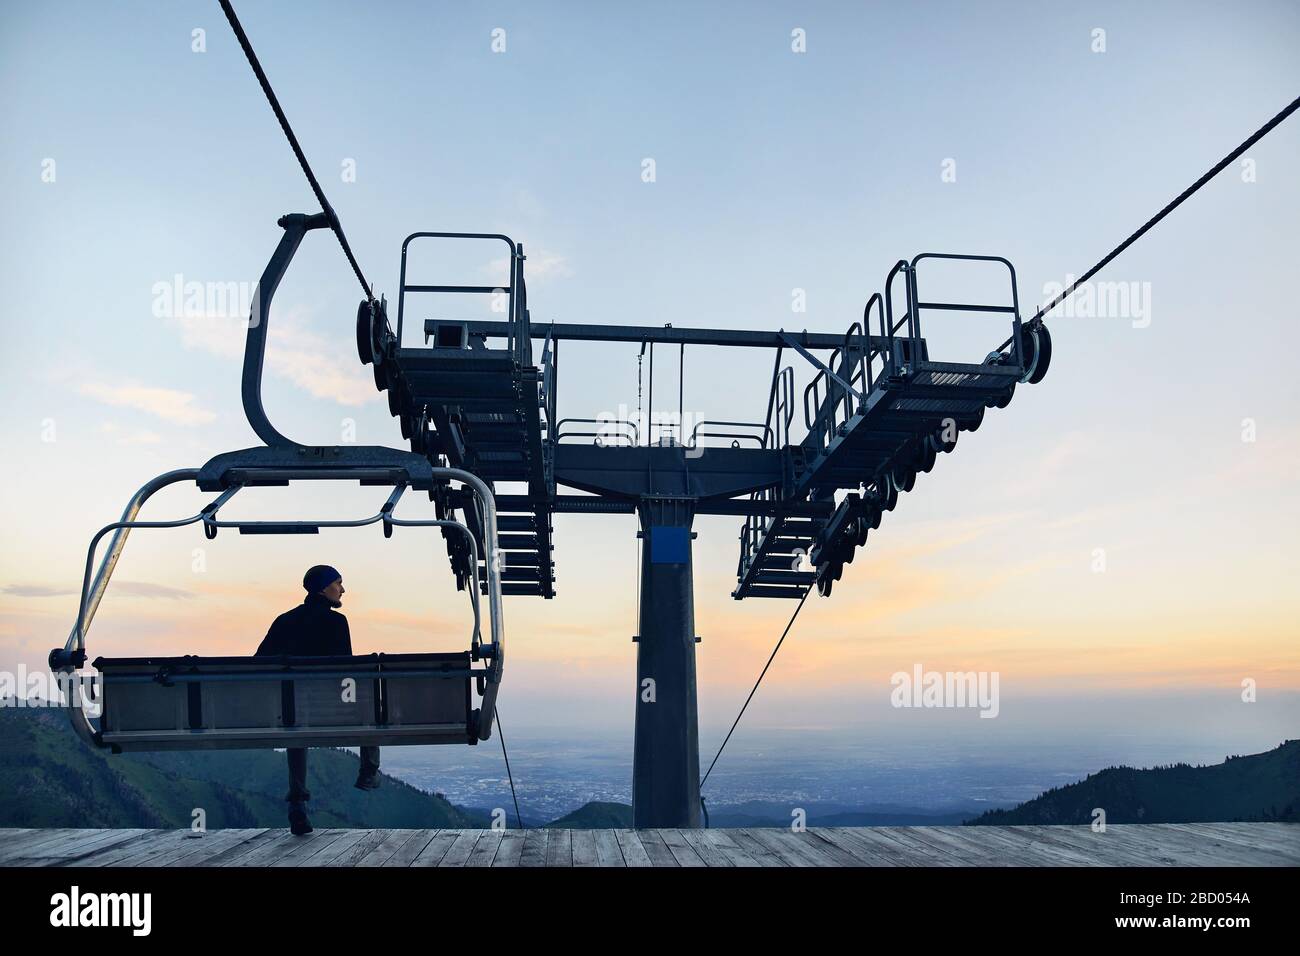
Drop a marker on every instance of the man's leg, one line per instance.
(368, 777)
(298, 792)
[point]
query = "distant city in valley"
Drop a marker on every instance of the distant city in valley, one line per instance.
(822, 772)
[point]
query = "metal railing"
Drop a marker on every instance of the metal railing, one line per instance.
(618, 433)
(518, 339)
(763, 439)
(912, 316)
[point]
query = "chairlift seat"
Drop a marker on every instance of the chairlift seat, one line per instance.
(201, 703)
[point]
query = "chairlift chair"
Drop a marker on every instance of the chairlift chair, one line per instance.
(201, 703)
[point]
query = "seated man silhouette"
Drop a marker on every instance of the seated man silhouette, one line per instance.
(315, 629)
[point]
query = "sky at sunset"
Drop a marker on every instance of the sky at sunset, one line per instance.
(1165, 445)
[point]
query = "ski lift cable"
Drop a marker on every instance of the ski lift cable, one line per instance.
(496, 715)
(1146, 227)
(1174, 204)
(755, 688)
(335, 225)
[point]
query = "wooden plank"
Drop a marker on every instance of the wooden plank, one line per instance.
(384, 848)
(634, 854)
(868, 852)
(655, 847)
(361, 849)
(95, 856)
(960, 849)
(791, 852)
(584, 848)
(72, 845)
(1107, 848)
(535, 846)
(1184, 847)
(608, 851)
(257, 839)
(1030, 846)
(736, 854)
(29, 842)
(918, 852)
(117, 854)
(681, 850)
(1078, 846)
(69, 853)
(844, 849)
(1271, 840)
(559, 848)
(461, 849)
(1088, 848)
(15, 842)
(1282, 835)
(266, 850)
(307, 848)
(210, 844)
(511, 849)
(757, 844)
(334, 843)
(705, 848)
(147, 852)
(887, 845)
(1026, 848)
(759, 851)
(186, 846)
(823, 847)
(412, 848)
(485, 850)
(436, 850)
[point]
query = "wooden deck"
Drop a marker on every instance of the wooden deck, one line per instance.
(1184, 844)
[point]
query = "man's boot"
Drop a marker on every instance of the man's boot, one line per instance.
(368, 775)
(299, 825)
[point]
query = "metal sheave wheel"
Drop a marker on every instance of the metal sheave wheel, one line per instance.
(888, 492)
(939, 445)
(926, 457)
(1042, 354)
(903, 478)
(363, 333)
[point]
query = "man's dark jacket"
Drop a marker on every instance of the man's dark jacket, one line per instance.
(312, 629)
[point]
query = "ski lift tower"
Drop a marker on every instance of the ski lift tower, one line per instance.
(480, 396)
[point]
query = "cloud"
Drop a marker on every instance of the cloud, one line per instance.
(144, 589)
(324, 367)
(217, 334)
(141, 589)
(168, 404)
(36, 591)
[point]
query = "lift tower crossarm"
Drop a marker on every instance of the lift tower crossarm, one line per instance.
(676, 336)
